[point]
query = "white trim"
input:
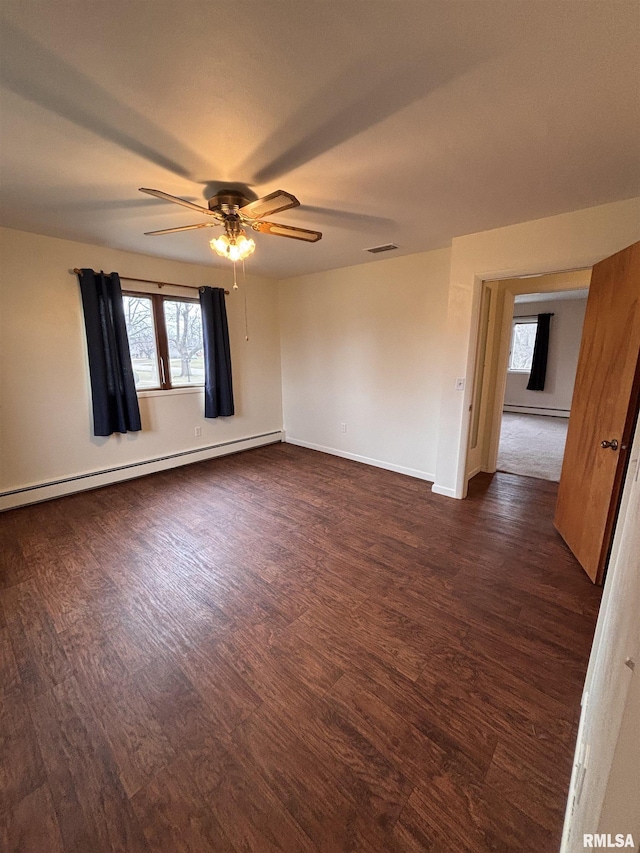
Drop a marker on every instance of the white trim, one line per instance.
(473, 472)
(366, 460)
(443, 490)
(81, 482)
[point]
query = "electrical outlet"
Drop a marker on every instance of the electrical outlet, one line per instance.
(198, 431)
(343, 427)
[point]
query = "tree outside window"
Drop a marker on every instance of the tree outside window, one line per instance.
(523, 340)
(138, 315)
(165, 340)
(183, 322)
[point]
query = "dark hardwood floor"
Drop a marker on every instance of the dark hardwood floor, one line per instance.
(282, 650)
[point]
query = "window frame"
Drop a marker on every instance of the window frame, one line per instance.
(162, 339)
(519, 321)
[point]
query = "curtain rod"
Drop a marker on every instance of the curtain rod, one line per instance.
(531, 316)
(153, 281)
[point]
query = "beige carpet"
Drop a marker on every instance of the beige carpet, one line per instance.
(532, 445)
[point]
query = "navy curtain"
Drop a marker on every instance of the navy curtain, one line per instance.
(218, 387)
(540, 353)
(113, 388)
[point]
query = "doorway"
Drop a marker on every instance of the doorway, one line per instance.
(532, 424)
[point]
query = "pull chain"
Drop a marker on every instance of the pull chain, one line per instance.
(244, 293)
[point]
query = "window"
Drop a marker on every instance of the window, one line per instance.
(165, 339)
(523, 340)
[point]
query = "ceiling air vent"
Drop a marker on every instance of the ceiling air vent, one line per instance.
(388, 247)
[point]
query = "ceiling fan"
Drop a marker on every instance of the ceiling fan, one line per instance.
(233, 211)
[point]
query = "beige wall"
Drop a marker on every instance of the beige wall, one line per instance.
(45, 408)
(362, 346)
(568, 241)
(564, 347)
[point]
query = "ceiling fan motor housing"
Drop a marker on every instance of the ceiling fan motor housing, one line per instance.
(227, 201)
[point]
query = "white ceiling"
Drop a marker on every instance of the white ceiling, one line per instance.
(392, 121)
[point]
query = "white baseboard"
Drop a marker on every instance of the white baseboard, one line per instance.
(443, 490)
(366, 460)
(95, 479)
(535, 410)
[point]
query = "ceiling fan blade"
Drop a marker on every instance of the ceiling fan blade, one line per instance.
(182, 201)
(287, 231)
(182, 228)
(272, 203)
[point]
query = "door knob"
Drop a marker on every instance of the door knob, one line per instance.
(613, 444)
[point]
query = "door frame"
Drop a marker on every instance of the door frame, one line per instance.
(491, 357)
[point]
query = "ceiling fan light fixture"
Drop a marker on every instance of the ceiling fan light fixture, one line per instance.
(231, 209)
(233, 248)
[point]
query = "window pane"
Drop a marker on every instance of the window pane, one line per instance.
(184, 335)
(138, 315)
(524, 338)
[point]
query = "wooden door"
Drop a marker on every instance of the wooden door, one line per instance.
(604, 408)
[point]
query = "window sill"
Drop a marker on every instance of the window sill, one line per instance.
(521, 372)
(158, 392)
